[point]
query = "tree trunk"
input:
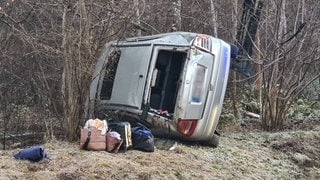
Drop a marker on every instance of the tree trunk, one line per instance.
(176, 25)
(234, 76)
(73, 78)
(137, 12)
(271, 114)
(258, 67)
(213, 13)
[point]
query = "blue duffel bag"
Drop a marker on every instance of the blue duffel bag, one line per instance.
(34, 153)
(142, 138)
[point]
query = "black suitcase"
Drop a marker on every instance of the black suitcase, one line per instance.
(124, 129)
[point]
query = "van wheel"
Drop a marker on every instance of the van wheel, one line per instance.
(214, 141)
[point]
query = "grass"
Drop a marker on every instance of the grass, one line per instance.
(241, 155)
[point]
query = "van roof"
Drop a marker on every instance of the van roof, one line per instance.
(172, 38)
(186, 35)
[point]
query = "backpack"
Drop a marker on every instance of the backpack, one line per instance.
(142, 139)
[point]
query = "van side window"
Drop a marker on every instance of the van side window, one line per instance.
(198, 83)
(109, 75)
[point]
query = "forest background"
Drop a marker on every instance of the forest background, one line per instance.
(49, 48)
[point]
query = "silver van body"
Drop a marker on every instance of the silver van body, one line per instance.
(174, 83)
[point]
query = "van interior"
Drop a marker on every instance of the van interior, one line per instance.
(169, 65)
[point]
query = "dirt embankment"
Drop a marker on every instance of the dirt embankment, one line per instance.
(241, 155)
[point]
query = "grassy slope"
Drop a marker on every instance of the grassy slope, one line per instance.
(242, 155)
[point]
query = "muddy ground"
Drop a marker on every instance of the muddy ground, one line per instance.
(242, 154)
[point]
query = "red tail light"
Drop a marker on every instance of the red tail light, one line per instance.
(203, 42)
(187, 127)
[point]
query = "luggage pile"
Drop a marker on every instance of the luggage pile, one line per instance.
(98, 135)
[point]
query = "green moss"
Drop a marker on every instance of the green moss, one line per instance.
(215, 166)
(104, 165)
(227, 118)
(304, 108)
(300, 102)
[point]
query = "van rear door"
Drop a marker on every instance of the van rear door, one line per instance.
(196, 85)
(130, 78)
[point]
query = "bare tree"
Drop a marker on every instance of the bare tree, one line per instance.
(49, 48)
(82, 27)
(176, 7)
(64, 37)
(28, 82)
(138, 14)
(213, 12)
(289, 59)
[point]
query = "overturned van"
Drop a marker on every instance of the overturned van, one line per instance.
(174, 83)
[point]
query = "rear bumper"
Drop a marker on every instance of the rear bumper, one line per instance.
(164, 127)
